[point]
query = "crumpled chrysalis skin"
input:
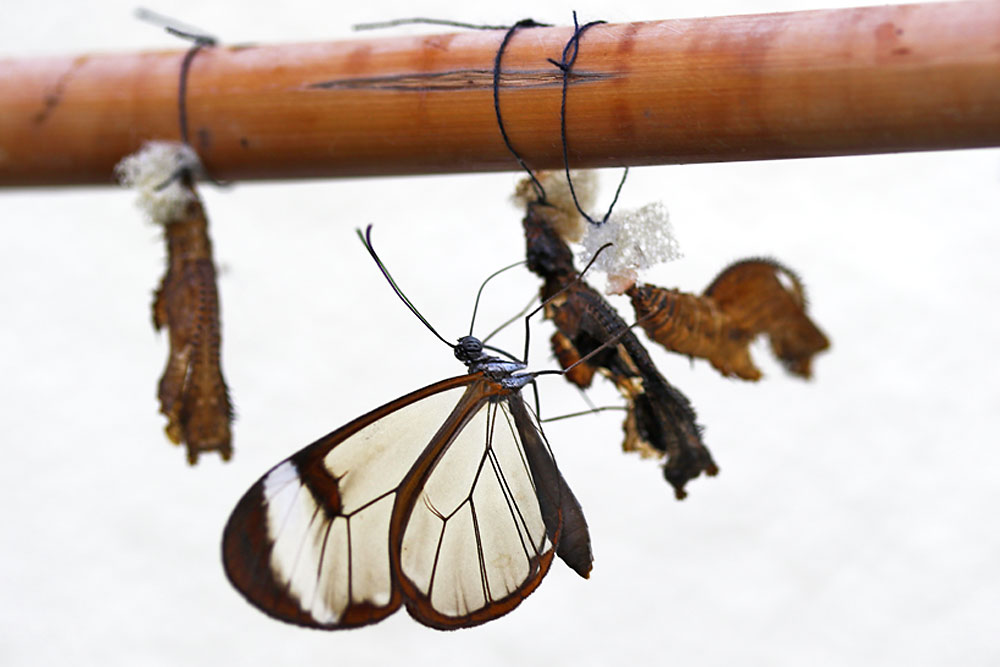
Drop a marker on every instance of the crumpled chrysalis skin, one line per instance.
(660, 420)
(749, 298)
(192, 392)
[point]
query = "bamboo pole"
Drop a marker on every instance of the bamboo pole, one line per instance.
(815, 83)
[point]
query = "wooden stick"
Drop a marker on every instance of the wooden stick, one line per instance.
(835, 82)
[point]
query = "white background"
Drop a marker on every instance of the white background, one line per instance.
(854, 520)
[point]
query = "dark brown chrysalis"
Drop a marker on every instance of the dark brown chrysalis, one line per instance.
(192, 391)
(749, 298)
(660, 419)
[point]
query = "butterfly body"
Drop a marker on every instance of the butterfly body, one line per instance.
(447, 500)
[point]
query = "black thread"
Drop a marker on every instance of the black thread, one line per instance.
(199, 44)
(524, 23)
(200, 40)
(566, 65)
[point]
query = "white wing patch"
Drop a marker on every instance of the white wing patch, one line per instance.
(476, 533)
(291, 525)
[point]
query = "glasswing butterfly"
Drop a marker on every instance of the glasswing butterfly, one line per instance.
(447, 500)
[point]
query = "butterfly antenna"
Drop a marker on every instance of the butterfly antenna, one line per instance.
(521, 313)
(591, 411)
(366, 239)
(605, 345)
(493, 275)
(572, 282)
(527, 327)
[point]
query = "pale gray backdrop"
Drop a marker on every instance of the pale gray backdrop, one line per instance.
(854, 520)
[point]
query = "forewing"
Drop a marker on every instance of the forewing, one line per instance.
(478, 539)
(309, 542)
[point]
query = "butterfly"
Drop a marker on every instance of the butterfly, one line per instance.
(447, 500)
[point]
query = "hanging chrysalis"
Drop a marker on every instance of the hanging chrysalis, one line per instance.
(660, 421)
(749, 298)
(192, 391)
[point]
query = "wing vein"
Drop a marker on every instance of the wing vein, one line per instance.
(361, 508)
(322, 551)
(437, 556)
(350, 565)
(517, 516)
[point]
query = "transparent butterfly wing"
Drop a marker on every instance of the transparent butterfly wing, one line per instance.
(436, 499)
(476, 542)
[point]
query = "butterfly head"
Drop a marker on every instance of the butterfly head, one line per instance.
(469, 349)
